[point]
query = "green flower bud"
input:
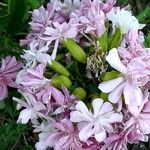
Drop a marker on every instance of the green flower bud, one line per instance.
(59, 68)
(80, 92)
(58, 81)
(75, 50)
(110, 75)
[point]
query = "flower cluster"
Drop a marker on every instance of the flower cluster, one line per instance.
(74, 47)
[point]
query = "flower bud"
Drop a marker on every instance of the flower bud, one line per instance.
(58, 81)
(80, 92)
(75, 50)
(59, 68)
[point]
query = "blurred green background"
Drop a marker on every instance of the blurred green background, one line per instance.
(14, 18)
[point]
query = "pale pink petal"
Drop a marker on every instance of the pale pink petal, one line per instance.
(110, 85)
(77, 116)
(115, 117)
(115, 95)
(86, 132)
(100, 136)
(106, 107)
(44, 58)
(114, 60)
(58, 96)
(132, 94)
(97, 103)
(81, 107)
(25, 115)
(3, 90)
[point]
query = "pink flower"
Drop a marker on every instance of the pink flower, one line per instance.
(141, 119)
(116, 141)
(32, 79)
(67, 104)
(40, 19)
(95, 124)
(64, 137)
(108, 5)
(57, 102)
(8, 72)
(132, 46)
(134, 128)
(58, 33)
(32, 108)
(92, 18)
(51, 97)
(132, 78)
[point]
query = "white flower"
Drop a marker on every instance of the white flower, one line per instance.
(96, 123)
(124, 20)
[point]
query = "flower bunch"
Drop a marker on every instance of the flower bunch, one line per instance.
(86, 77)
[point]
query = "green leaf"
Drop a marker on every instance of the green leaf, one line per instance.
(34, 3)
(3, 22)
(28, 147)
(147, 40)
(10, 134)
(2, 104)
(143, 15)
(103, 43)
(17, 10)
(115, 39)
(73, 67)
(104, 96)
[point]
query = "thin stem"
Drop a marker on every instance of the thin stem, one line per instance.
(25, 139)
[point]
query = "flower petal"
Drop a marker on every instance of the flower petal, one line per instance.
(81, 107)
(115, 95)
(100, 136)
(3, 91)
(114, 60)
(97, 103)
(25, 115)
(110, 85)
(106, 108)
(86, 132)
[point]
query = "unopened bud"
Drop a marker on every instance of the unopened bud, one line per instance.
(80, 92)
(59, 68)
(75, 50)
(58, 81)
